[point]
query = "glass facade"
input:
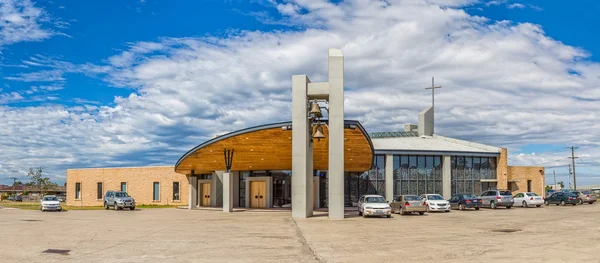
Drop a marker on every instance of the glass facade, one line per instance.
(373, 181)
(176, 191)
(242, 189)
(468, 173)
(156, 191)
(417, 174)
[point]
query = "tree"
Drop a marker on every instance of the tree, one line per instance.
(547, 188)
(38, 181)
(562, 185)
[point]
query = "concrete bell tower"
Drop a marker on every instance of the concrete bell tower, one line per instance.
(303, 91)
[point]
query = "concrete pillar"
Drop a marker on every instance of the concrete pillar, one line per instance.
(336, 134)
(227, 192)
(389, 177)
(216, 189)
(446, 177)
(302, 171)
(193, 191)
(316, 190)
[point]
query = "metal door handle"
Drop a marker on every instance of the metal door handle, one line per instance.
(261, 197)
(256, 197)
(208, 196)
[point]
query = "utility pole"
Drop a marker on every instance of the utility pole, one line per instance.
(569, 177)
(573, 159)
(14, 181)
(432, 88)
(554, 173)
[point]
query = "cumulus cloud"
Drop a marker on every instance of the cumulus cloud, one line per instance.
(504, 83)
(516, 5)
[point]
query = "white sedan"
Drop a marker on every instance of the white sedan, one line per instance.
(50, 202)
(373, 205)
(528, 199)
(436, 202)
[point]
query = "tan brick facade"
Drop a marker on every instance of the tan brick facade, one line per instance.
(515, 178)
(139, 180)
(502, 170)
(520, 175)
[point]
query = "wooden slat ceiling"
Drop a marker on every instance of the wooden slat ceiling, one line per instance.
(271, 149)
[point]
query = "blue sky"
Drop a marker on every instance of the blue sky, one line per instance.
(121, 83)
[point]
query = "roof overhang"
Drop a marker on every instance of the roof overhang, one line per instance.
(269, 147)
(442, 153)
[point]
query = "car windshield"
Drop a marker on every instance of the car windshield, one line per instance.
(411, 198)
(50, 198)
(435, 197)
(121, 194)
(374, 199)
(505, 193)
(532, 194)
(576, 193)
(586, 192)
(469, 196)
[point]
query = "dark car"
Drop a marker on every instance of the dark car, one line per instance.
(561, 198)
(17, 198)
(464, 201)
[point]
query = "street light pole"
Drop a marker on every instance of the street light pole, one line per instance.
(14, 181)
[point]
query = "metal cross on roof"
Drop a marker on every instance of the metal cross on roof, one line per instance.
(432, 88)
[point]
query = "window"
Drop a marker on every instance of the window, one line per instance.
(176, 191)
(416, 175)
(123, 186)
(77, 190)
(528, 185)
(156, 192)
(467, 172)
(242, 189)
(99, 191)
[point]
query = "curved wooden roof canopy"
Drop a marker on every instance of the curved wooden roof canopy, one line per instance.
(269, 147)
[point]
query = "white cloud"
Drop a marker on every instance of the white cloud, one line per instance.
(503, 84)
(516, 5)
(21, 20)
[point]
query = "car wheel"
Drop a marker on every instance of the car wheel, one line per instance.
(116, 207)
(580, 202)
(105, 206)
(59, 210)
(538, 205)
(508, 206)
(389, 216)
(477, 208)
(590, 203)
(42, 209)
(493, 205)
(402, 211)
(562, 203)
(524, 204)
(359, 212)
(446, 211)
(364, 216)
(428, 211)
(132, 208)
(421, 213)
(574, 204)
(460, 207)
(546, 203)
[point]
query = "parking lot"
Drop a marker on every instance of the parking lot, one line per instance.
(548, 234)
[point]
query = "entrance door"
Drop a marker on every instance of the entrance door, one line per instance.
(205, 194)
(258, 194)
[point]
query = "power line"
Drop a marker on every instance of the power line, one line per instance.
(587, 167)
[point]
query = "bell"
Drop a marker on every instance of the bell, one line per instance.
(318, 133)
(314, 109)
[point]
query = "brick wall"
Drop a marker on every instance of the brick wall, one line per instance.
(140, 184)
(524, 173)
(502, 170)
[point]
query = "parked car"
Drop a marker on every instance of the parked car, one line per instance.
(435, 202)
(528, 199)
(18, 198)
(373, 205)
(50, 202)
(406, 204)
(118, 200)
(11, 198)
(497, 198)
(561, 198)
(585, 197)
(464, 201)
(550, 192)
